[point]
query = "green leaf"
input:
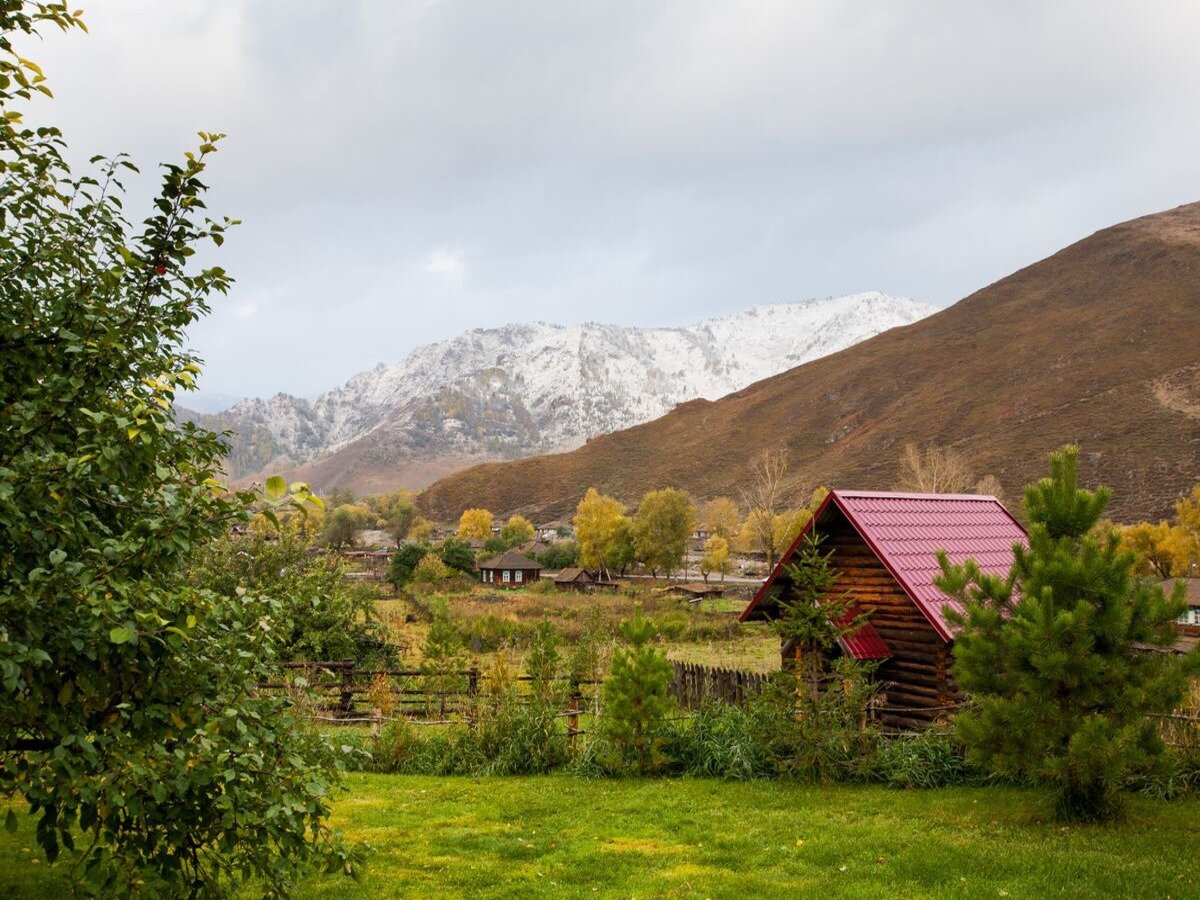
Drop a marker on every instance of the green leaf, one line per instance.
(276, 487)
(120, 634)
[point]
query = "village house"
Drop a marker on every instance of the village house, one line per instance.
(884, 548)
(509, 570)
(574, 579)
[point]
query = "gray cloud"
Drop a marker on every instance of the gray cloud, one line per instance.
(409, 169)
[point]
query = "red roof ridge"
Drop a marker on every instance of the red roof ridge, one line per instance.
(928, 606)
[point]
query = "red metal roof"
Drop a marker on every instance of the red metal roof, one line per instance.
(906, 530)
(866, 643)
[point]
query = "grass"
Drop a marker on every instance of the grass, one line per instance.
(560, 836)
(706, 632)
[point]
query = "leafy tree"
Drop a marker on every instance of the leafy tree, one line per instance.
(339, 496)
(475, 523)
(130, 712)
(396, 512)
(620, 552)
(323, 615)
(663, 524)
(431, 570)
(1185, 534)
(787, 527)
(722, 517)
(343, 524)
(404, 563)
(1152, 545)
(597, 518)
(421, 530)
(560, 555)
(517, 530)
(764, 500)
(635, 696)
(494, 546)
(1052, 656)
(716, 557)
(458, 555)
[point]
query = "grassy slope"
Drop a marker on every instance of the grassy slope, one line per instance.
(559, 836)
(1095, 345)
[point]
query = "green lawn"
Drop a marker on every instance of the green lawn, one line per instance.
(560, 836)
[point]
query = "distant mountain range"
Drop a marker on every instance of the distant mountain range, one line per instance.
(1098, 345)
(505, 393)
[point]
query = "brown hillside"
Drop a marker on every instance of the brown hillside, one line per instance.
(1099, 344)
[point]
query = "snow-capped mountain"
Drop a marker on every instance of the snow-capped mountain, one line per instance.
(524, 389)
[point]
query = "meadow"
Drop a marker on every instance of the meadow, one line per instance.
(560, 836)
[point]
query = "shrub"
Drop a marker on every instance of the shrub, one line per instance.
(635, 697)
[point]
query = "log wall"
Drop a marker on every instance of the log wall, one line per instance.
(918, 685)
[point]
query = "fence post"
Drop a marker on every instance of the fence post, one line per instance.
(347, 667)
(472, 694)
(573, 719)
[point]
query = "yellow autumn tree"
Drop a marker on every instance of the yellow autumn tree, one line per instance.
(663, 523)
(1152, 543)
(722, 517)
(517, 530)
(475, 523)
(597, 520)
(421, 530)
(716, 557)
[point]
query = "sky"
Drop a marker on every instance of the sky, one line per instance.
(407, 170)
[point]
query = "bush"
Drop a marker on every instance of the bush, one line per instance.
(926, 759)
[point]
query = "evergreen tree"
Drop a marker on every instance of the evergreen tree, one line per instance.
(635, 695)
(441, 657)
(812, 618)
(1053, 655)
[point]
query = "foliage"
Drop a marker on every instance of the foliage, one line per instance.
(1152, 544)
(635, 697)
(664, 522)
(721, 517)
(344, 522)
(620, 552)
(322, 615)
(421, 530)
(763, 501)
(457, 554)
(395, 512)
(430, 570)
(542, 664)
(441, 657)
(811, 617)
(475, 523)
(517, 530)
(1050, 655)
(716, 557)
(559, 555)
(405, 561)
(596, 521)
(130, 713)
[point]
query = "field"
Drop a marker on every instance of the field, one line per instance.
(562, 836)
(706, 632)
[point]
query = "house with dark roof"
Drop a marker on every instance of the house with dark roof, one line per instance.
(884, 548)
(509, 570)
(574, 579)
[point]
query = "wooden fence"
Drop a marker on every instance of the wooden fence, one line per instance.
(692, 684)
(337, 691)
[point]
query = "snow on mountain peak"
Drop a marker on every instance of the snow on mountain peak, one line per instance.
(527, 388)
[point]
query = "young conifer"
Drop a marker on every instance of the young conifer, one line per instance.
(1058, 658)
(635, 695)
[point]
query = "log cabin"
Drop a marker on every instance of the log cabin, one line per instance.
(884, 548)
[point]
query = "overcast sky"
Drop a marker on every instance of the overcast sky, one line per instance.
(407, 170)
